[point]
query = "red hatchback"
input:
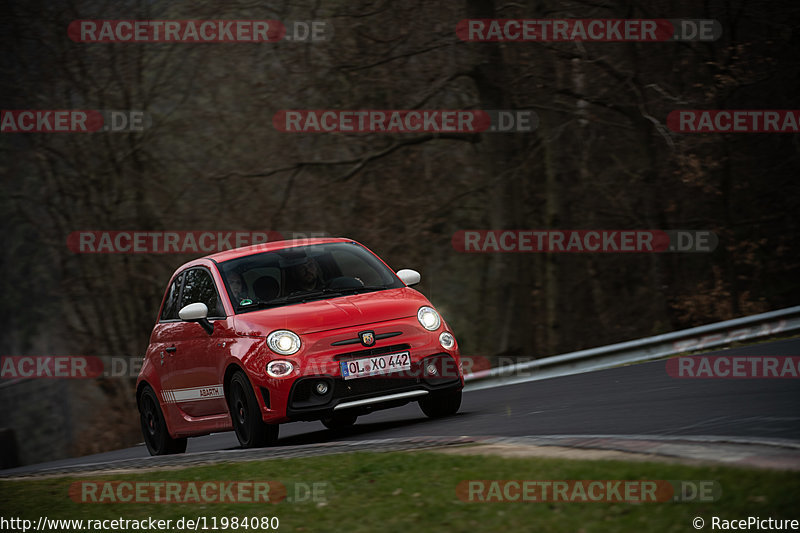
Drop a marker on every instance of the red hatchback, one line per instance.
(319, 329)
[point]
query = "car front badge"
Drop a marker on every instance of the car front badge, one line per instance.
(367, 338)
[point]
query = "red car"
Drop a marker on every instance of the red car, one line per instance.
(319, 329)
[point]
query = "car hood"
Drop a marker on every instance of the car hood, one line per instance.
(331, 314)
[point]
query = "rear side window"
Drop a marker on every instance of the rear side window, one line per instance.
(199, 287)
(170, 311)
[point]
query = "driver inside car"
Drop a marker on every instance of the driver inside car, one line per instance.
(238, 286)
(304, 275)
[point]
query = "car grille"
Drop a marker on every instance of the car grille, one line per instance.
(372, 351)
(366, 386)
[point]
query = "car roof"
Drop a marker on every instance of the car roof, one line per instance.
(244, 251)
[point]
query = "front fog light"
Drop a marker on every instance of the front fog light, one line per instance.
(447, 340)
(283, 342)
(431, 369)
(429, 318)
(279, 369)
(321, 388)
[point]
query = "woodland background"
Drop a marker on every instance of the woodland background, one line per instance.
(601, 158)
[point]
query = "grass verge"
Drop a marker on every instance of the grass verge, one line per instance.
(416, 491)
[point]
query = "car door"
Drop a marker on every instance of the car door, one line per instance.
(167, 332)
(192, 381)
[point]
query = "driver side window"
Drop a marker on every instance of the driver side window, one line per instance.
(170, 311)
(199, 287)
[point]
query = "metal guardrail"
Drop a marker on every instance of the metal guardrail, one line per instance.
(667, 344)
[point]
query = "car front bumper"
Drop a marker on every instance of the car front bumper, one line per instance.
(364, 395)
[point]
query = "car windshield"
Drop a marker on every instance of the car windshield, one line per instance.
(304, 273)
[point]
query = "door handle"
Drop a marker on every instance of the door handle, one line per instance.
(172, 349)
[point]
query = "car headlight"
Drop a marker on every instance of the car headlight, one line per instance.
(429, 318)
(279, 369)
(447, 340)
(283, 342)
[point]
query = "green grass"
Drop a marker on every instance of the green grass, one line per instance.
(416, 491)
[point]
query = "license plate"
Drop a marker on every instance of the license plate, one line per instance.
(375, 366)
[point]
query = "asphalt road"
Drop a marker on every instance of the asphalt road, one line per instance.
(639, 399)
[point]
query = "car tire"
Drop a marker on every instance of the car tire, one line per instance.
(154, 427)
(339, 421)
(250, 429)
(438, 405)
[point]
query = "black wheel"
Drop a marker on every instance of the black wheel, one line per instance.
(250, 429)
(339, 421)
(437, 405)
(154, 428)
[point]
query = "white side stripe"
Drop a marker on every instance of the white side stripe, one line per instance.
(210, 392)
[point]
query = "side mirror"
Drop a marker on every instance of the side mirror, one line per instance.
(197, 312)
(408, 276)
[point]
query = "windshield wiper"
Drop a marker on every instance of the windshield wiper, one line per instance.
(312, 295)
(298, 297)
(355, 290)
